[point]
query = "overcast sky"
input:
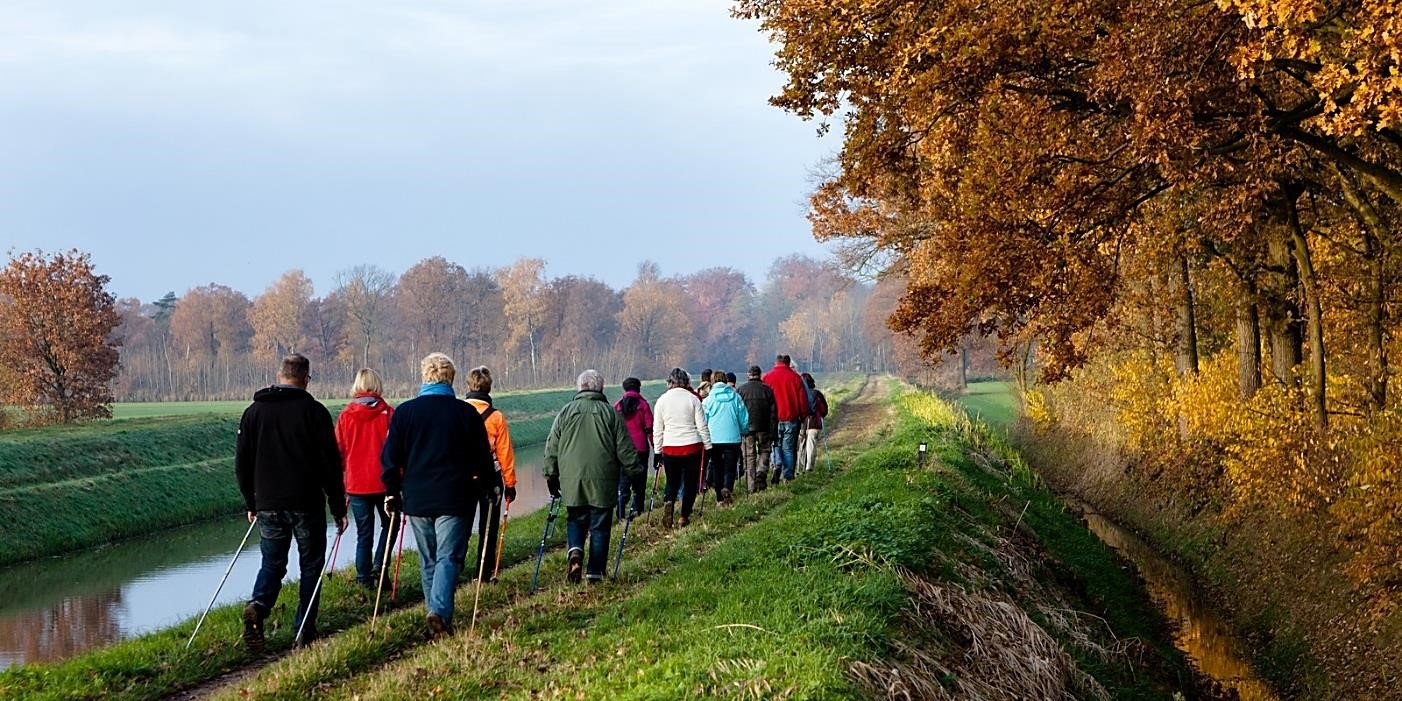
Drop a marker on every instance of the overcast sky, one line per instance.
(226, 141)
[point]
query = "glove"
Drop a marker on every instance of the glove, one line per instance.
(510, 494)
(553, 484)
(391, 504)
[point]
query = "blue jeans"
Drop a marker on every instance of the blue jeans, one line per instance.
(788, 446)
(276, 529)
(596, 524)
(369, 550)
(442, 542)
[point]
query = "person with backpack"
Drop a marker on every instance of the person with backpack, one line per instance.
(680, 438)
(288, 468)
(791, 400)
(479, 395)
(758, 441)
(586, 450)
(728, 419)
(637, 417)
(819, 411)
(361, 430)
(439, 468)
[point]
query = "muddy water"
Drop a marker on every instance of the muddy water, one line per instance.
(1200, 633)
(58, 607)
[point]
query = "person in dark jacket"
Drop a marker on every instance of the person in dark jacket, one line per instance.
(587, 449)
(438, 464)
(289, 470)
(758, 441)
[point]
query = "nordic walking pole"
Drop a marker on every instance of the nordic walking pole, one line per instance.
(399, 559)
(618, 563)
(244, 542)
(701, 486)
(501, 537)
(316, 591)
(384, 570)
(331, 565)
(481, 565)
(550, 514)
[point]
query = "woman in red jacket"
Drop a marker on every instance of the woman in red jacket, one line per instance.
(360, 433)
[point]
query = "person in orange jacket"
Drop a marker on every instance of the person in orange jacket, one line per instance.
(479, 395)
(361, 430)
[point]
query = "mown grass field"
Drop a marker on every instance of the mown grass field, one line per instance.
(846, 584)
(63, 488)
(994, 402)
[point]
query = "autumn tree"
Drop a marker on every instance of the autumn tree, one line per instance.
(655, 322)
(363, 294)
(57, 335)
(278, 316)
(210, 331)
(523, 290)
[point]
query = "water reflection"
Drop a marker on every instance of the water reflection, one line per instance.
(1201, 633)
(57, 607)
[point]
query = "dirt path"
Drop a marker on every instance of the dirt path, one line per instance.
(865, 414)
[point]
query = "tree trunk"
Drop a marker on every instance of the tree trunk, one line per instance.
(1187, 341)
(1282, 281)
(1248, 344)
(1375, 300)
(1315, 325)
(963, 367)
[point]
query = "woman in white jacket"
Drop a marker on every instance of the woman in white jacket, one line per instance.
(681, 439)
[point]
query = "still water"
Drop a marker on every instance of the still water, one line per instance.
(57, 607)
(1199, 631)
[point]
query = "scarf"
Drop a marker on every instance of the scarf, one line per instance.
(436, 389)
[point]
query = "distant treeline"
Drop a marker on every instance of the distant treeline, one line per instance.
(215, 342)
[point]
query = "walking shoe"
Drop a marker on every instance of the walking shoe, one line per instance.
(576, 568)
(253, 627)
(683, 522)
(761, 482)
(778, 477)
(596, 579)
(725, 495)
(667, 510)
(437, 627)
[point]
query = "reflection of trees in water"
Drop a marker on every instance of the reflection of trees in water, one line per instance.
(73, 625)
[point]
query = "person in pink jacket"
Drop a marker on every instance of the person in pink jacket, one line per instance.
(637, 416)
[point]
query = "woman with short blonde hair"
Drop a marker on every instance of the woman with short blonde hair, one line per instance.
(438, 369)
(360, 434)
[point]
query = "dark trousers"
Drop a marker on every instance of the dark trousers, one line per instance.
(369, 550)
(634, 487)
(683, 471)
(595, 524)
(725, 462)
(488, 530)
(276, 529)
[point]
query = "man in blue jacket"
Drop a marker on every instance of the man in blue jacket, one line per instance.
(438, 467)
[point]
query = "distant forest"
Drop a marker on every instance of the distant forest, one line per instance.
(215, 342)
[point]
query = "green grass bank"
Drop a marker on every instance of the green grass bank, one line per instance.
(879, 579)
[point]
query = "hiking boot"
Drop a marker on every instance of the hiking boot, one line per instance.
(778, 477)
(725, 495)
(667, 510)
(684, 521)
(253, 627)
(761, 482)
(437, 627)
(309, 636)
(576, 568)
(596, 579)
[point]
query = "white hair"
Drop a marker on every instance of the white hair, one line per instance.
(590, 381)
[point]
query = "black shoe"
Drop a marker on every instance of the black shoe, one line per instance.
(437, 627)
(576, 568)
(309, 636)
(253, 627)
(596, 579)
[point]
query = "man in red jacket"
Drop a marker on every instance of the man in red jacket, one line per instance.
(791, 399)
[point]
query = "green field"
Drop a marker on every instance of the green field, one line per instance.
(994, 402)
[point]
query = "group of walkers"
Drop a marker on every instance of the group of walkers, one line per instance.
(439, 461)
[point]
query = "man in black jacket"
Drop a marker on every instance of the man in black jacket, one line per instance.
(438, 463)
(289, 470)
(759, 437)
